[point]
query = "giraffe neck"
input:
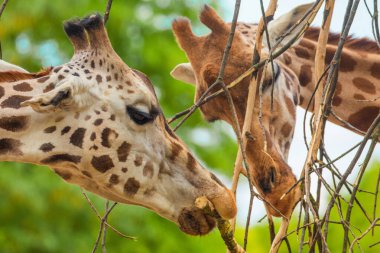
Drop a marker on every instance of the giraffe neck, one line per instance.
(357, 93)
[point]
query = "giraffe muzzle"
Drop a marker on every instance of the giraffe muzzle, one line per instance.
(194, 221)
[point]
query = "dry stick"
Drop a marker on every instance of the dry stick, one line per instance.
(319, 108)
(102, 226)
(100, 218)
(104, 250)
(363, 167)
(375, 23)
(332, 80)
(356, 240)
(249, 112)
(375, 202)
(374, 244)
(319, 69)
(107, 12)
(1, 12)
(373, 126)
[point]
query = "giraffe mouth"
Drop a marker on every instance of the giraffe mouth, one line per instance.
(194, 221)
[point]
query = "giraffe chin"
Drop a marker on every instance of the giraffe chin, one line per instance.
(193, 221)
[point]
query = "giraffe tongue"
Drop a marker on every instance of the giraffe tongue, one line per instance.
(225, 204)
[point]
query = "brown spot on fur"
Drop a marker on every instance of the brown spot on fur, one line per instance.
(106, 136)
(338, 89)
(286, 129)
(336, 101)
(138, 161)
(49, 87)
(358, 96)
(92, 64)
(14, 123)
(102, 163)
(58, 158)
(10, 146)
(65, 130)
(63, 174)
(97, 122)
(43, 79)
(213, 177)
(163, 170)
(114, 179)
(50, 129)
(191, 163)
(301, 100)
(93, 136)
(77, 137)
(24, 86)
(347, 63)
(375, 70)
(86, 173)
(56, 69)
(176, 149)
(363, 118)
(2, 92)
(302, 52)
(131, 186)
(305, 75)
(124, 169)
(148, 170)
(46, 147)
(364, 85)
(99, 78)
(123, 151)
(14, 101)
(291, 107)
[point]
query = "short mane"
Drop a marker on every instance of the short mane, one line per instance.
(13, 76)
(360, 44)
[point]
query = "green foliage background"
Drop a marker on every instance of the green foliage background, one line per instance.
(41, 213)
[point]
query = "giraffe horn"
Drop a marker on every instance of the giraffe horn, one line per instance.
(211, 19)
(184, 34)
(75, 32)
(96, 31)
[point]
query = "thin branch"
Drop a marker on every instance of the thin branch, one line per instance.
(1, 13)
(107, 12)
(356, 240)
(106, 223)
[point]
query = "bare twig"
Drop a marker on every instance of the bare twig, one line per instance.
(357, 239)
(107, 12)
(106, 223)
(1, 13)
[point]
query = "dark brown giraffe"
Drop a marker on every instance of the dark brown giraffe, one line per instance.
(98, 124)
(293, 85)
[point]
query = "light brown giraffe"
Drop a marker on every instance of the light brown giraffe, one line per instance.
(293, 85)
(98, 124)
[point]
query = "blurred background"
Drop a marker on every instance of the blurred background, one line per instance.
(41, 213)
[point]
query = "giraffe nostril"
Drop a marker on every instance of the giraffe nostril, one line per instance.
(272, 175)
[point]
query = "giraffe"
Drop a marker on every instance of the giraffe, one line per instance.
(97, 123)
(293, 85)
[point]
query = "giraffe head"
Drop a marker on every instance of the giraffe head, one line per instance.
(99, 125)
(271, 174)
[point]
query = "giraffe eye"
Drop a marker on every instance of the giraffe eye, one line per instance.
(139, 117)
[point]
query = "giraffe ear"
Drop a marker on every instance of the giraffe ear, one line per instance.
(281, 25)
(184, 72)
